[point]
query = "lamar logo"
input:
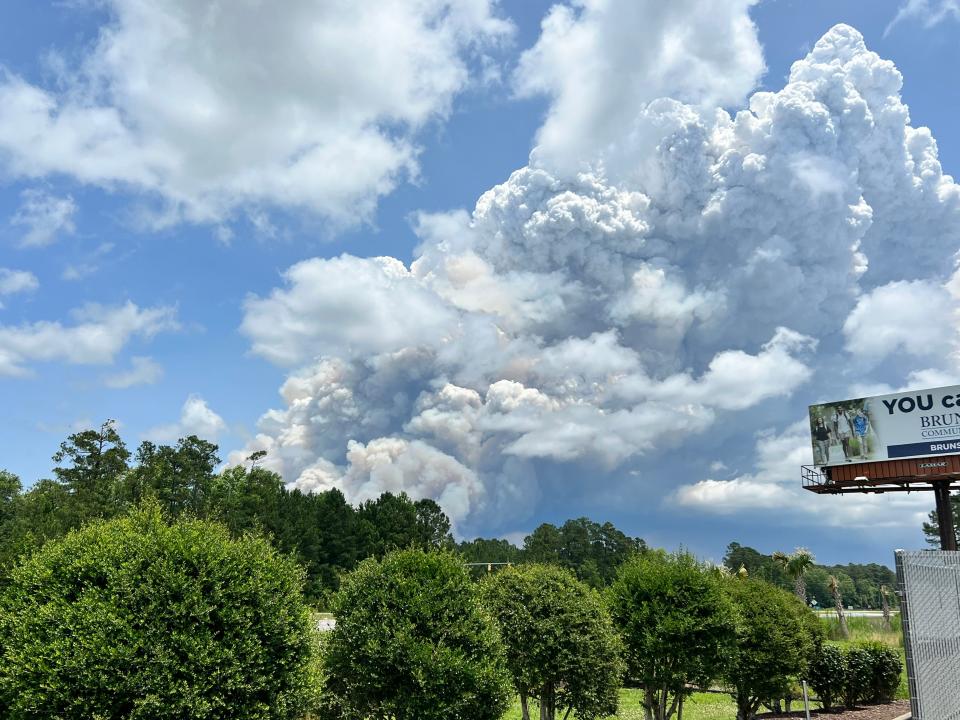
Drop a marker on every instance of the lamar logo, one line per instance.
(931, 465)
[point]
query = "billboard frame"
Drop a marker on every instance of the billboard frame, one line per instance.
(939, 475)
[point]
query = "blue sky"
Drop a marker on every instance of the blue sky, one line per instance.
(367, 140)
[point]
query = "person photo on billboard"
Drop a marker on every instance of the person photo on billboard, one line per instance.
(861, 427)
(842, 430)
(821, 436)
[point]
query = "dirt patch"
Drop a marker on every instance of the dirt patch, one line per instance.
(888, 711)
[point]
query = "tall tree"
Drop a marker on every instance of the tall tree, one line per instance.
(179, 477)
(838, 606)
(90, 465)
(10, 489)
(931, 528)
(590, 550)
(796, 566)
(496, 550)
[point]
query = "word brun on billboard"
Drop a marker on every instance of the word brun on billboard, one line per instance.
(887, 427)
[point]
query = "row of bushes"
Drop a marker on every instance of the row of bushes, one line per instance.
(863, 672)
(416, 639)
(139, 618)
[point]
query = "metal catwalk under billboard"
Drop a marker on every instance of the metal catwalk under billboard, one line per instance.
(887, 427)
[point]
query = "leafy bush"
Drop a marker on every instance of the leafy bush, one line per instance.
(677, 623)
(864, 672)
(827, 674)
(413, 642)
(774, 644)
(562, 649)
(857, 674)
(135, 618)
(884, 675)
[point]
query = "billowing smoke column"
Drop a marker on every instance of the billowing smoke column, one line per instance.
(610, 314)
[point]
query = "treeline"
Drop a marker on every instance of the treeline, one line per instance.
(860, 585)
(591, 551)
(97, 477)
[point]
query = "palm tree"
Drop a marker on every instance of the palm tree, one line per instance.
(838, 604)
(796, 566)
(886, 606)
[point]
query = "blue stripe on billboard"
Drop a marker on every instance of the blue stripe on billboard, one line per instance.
(935, 447)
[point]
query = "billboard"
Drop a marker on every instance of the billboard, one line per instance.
(887, 427)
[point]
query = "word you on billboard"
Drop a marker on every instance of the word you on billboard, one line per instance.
(887, 427)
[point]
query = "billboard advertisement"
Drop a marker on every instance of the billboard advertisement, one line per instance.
(887, 427)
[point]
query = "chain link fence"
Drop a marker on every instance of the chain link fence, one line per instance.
(929, 588)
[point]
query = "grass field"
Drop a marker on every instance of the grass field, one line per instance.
(701, 706)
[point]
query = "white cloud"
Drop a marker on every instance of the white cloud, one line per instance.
(13, 282)
(776, 486)
(927, 12)
(301, 105)
(44, 216)
(592, 326)
(396, 465)
(602, 61)
(95, 337)
(142, 371)
(910, 317)
(346, 305)
(196, 418)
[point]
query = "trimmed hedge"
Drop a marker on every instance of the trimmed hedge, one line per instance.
(413, 642)
(827, 673)
(885, 668)
(863, 672)
(135, 618)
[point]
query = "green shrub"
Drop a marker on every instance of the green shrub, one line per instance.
(562, 649)
(135, 619)
(774, 644)
(827, 673)
(678, 627)
(413, 642)
(858, 670)
(884, 675)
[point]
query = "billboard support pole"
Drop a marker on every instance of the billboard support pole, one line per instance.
(948, 534)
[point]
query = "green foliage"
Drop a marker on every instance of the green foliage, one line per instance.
(96, 458)
(776, 637)
(857, 674)
(484, 550)
(827, 674)
(859, 584)
(393, 522)
(593, 552)
(931, 528)
(413, 642)
(678, 626)
(94, 479)
(861, 672)
(561, 647)
(97, 478)
(884, 672)
(134, 618)
(179, 477)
